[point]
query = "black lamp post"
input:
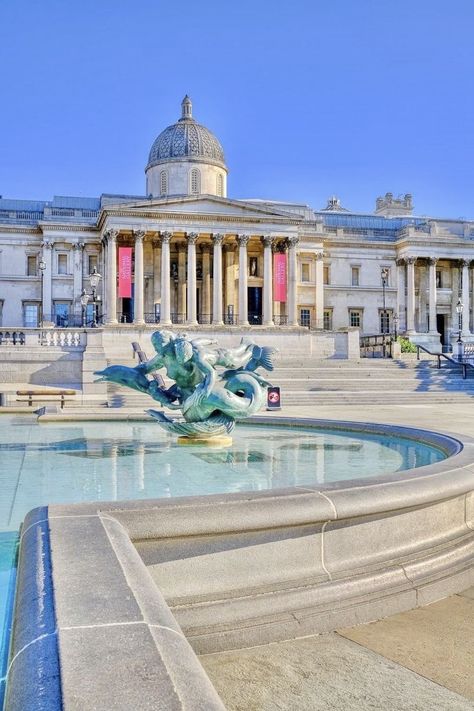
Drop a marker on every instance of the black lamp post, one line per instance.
(42, 267)
(384, 274)
(94, 279)
(459, 310)
(396, 319)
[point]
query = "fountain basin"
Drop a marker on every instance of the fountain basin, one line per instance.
(236, 570)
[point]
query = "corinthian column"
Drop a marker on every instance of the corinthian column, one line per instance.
(111, 305)
(411, 295)
(138, 294)
(267, 281)
(292, 268)
(191, 293)
(217, 280)
(165, 317)
(206, 283)
(432, 261)
(243, 241)
(320, 290)
(465, 297)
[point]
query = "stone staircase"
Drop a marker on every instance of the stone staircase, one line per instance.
(366, 382)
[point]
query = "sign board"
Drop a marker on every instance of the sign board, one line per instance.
(125, 271)
(279, 276)
(273, 398)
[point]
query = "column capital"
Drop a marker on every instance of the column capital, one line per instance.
(139, 235)
(229, 247)
(243, 240)
(192, 237)
(293, 241)
(78, 246)
(400, 262)
(47, 245)
(268, 240)
(465, 262)
(411, 260)
(433, 260)
(165, 237)
(156, 243)
(319, 256)
(111, 235)
(217, 238)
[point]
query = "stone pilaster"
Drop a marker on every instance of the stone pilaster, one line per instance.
(47, 282)
(229, 295)
(182, 285)
(432, 262)
(411, 295)
(206, 283)
(319, 290)
(465, 264)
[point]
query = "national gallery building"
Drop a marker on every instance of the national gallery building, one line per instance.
(185, 253)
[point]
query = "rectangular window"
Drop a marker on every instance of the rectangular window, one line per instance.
(355, 271)
(31, 265)
(92, 263)
(31, 315)
(384, 318)
(327, 320)
(326, 274)
(355, 318)
(305, 272)
(253, 266)
(305, 318)
(62, 263)
(61, 313)
(439, 281)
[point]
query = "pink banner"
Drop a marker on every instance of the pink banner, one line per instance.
(279, 277)
(125, 271)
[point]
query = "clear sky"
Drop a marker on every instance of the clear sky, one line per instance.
(308, 97)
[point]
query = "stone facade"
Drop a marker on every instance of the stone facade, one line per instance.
(200, 257)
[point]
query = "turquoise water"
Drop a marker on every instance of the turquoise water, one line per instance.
(73, 462)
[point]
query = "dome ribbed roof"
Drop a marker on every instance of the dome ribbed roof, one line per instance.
(186, 139)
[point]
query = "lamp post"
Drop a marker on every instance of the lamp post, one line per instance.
(42, 267)
(84, 302)
(459, 310)
(396, 319)
(384, 274)
(94, 279)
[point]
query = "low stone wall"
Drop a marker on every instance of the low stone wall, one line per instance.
(123, 581)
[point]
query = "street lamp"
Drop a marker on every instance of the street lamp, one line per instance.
(384, 274)
(42, 267)
(396, 319)
(459, 310)
(84, 302)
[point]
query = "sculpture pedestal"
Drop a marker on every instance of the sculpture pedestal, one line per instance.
(218, 441)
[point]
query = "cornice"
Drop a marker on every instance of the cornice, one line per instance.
(60, 227)
(22, 230)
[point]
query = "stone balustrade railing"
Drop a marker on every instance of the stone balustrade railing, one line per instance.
(30, 337)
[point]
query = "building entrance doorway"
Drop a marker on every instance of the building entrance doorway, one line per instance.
(255, 305)
(127, 310)
(441, 328)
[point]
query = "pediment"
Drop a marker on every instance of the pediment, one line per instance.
(204, 205)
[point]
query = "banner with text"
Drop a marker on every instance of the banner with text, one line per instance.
(279, 276)
(125, 271)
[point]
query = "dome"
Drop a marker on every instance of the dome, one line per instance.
(186, 139)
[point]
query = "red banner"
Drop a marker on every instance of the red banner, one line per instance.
(279, 276)
(125, 271)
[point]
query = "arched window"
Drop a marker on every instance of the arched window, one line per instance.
(195, 182)
(220, 185)
(164, 182)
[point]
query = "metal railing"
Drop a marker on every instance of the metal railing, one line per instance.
(462, 363)
(377, 346)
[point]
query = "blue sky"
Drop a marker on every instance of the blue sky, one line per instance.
(309, 98)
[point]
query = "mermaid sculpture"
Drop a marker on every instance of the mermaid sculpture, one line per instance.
(213, 387)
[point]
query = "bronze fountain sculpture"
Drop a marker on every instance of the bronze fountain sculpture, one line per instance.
(213, 387)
